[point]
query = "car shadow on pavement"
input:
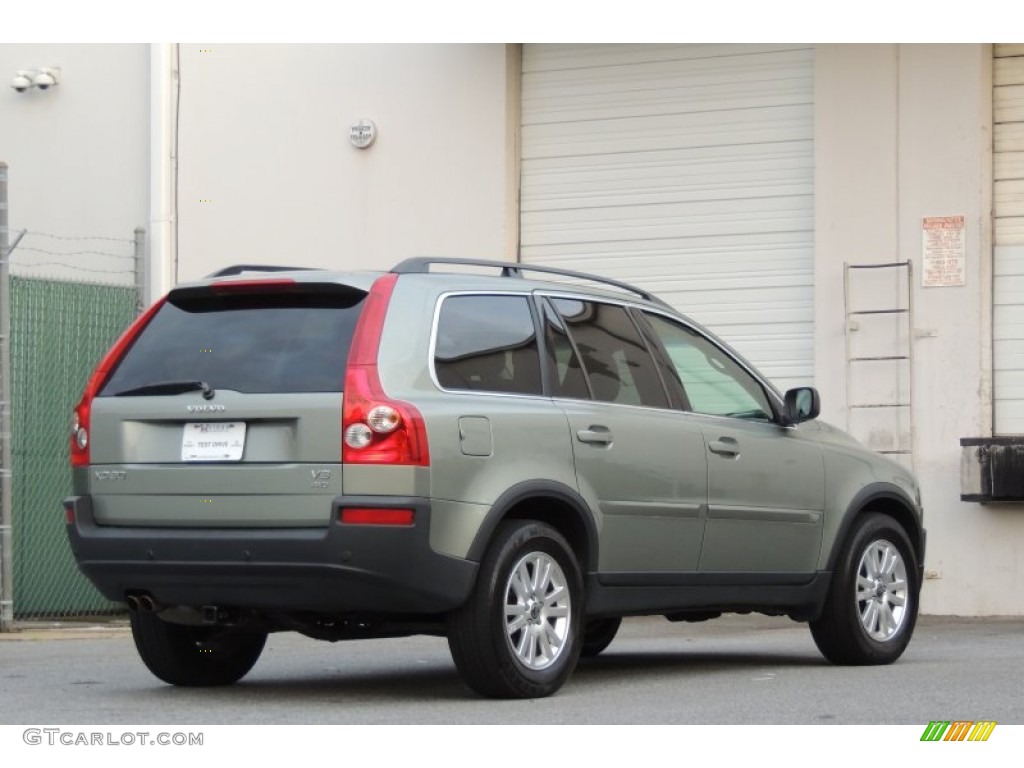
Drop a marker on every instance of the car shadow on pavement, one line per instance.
(437, 680)
(625, 664)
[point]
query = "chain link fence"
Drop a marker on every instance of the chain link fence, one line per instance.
(64, 299)
(59, 331)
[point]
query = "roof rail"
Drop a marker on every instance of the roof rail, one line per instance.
(421, 264)
(237, 269)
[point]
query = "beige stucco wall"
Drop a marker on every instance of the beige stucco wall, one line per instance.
(268, 175)
(79, 158)
(903, 132)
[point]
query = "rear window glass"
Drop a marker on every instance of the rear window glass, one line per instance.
(253, 343)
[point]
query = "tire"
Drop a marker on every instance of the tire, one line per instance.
(598, 635)
(194, 656)
(872, 604)
(519, 634)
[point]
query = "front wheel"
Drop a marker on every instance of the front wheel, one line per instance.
(872, 602)
(519, 634)
(194, 656)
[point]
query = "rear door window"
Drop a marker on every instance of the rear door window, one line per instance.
(487, 343)
(565, 372)
(296, 341)
(614, 357)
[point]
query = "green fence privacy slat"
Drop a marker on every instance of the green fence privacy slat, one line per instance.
(59, 331)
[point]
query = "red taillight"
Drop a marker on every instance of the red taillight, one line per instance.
(359, 516)
(375, 428)
(80, 418)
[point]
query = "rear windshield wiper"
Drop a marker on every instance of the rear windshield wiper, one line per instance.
(169, 388)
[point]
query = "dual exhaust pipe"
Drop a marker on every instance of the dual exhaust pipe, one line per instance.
(141, 602)
(206, 615)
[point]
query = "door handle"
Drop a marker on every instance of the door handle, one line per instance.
(596, 435)
(725, 446)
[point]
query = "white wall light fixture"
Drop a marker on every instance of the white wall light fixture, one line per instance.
(43, 78)
(362, 133)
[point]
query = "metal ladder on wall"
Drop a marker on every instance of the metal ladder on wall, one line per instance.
(878, 306)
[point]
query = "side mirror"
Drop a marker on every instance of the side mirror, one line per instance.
(802, 404)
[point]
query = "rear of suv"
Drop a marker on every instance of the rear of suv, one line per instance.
(513, 463)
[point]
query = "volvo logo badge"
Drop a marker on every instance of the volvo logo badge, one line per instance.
(204, 408)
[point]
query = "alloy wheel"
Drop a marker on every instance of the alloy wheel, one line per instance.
(882, 591)
(537, 610)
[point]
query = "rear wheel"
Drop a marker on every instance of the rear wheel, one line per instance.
(872, 602)
(194, 656)
(598, 635)
(519, 634)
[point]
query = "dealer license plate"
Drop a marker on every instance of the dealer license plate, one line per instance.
(213, 441)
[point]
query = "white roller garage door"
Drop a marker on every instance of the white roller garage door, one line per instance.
(687, 170)
(1008, 206)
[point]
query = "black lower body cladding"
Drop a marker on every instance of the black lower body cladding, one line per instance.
(339, 568)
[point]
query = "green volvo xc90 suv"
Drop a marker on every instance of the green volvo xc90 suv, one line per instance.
(451, 448)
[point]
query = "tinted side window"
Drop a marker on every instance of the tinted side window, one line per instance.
(715, 384)
(669, 374)
(253, 343)
(487, 344)
(614, 356)
(565, 371)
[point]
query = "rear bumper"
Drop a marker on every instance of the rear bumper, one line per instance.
(340, 568)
